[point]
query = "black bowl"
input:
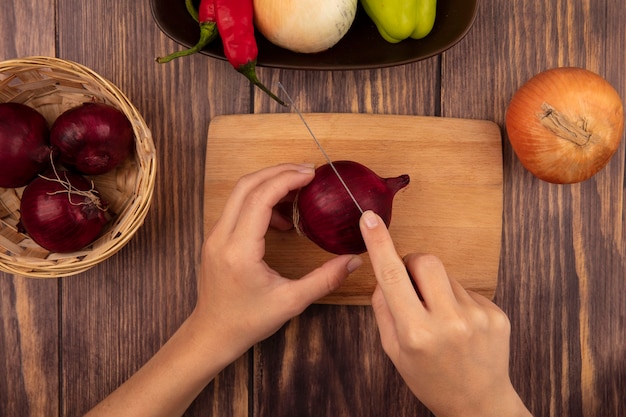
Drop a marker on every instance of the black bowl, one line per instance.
(361, 48)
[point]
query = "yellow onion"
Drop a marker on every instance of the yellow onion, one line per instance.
(565, 124)
(306, 26)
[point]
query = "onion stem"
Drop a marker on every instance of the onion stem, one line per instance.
(563, 127)
(90, 194)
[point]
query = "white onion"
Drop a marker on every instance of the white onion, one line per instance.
(305, 26)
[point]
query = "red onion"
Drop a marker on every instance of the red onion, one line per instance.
(62, 212)
(24, 147)
(326, 214)
(92, 138)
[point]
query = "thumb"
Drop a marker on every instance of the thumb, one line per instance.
(323, 280)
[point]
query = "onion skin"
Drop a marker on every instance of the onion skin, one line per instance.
(60, 221)
(565, 124)
(24, 144)
(92, 138)
(305, 26)
(325, 213)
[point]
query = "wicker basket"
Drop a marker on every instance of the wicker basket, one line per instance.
(52, 86)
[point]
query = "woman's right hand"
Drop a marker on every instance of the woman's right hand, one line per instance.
(451, 346)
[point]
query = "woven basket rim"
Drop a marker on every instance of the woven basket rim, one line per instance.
(127, 222)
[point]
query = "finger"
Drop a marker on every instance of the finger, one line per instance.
(391, 274)
(385, 322)
(460, 293)
(232, 208)
(495, 317)
(483, 301)
(299, 294)
(468, 297)
(432, 280)
(257, 208)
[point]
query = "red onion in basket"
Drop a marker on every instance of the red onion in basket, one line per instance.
(62, 211)
(326, 214)
(92, 138)
(24, 147)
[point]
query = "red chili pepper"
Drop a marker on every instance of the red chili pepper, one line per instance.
(208, 29)
(236, 28)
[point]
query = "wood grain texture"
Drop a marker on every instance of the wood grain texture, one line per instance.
(29, 343)
(329, 362)
(118, 314)
(65, 344)
(452, 206)
(563, 257)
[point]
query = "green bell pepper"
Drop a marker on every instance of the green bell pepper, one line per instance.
(397, 20)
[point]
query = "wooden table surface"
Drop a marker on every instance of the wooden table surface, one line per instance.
(66, 343)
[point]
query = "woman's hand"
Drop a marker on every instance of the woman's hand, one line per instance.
(241, 300)
(239, 295)
(451, 346)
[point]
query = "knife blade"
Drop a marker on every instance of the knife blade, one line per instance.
(320, 147)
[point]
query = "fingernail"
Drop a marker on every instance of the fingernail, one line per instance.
(370, 219)
(354, 263)
(306, 168)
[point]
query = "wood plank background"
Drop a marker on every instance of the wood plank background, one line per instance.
(65, 344)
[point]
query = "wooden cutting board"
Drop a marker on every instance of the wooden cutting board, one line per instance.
(452, 207)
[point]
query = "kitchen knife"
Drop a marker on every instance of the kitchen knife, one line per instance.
(321, 148)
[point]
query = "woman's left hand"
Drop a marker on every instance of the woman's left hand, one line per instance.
(239, 295)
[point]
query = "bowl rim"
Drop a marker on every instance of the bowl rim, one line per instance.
(214, 50)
